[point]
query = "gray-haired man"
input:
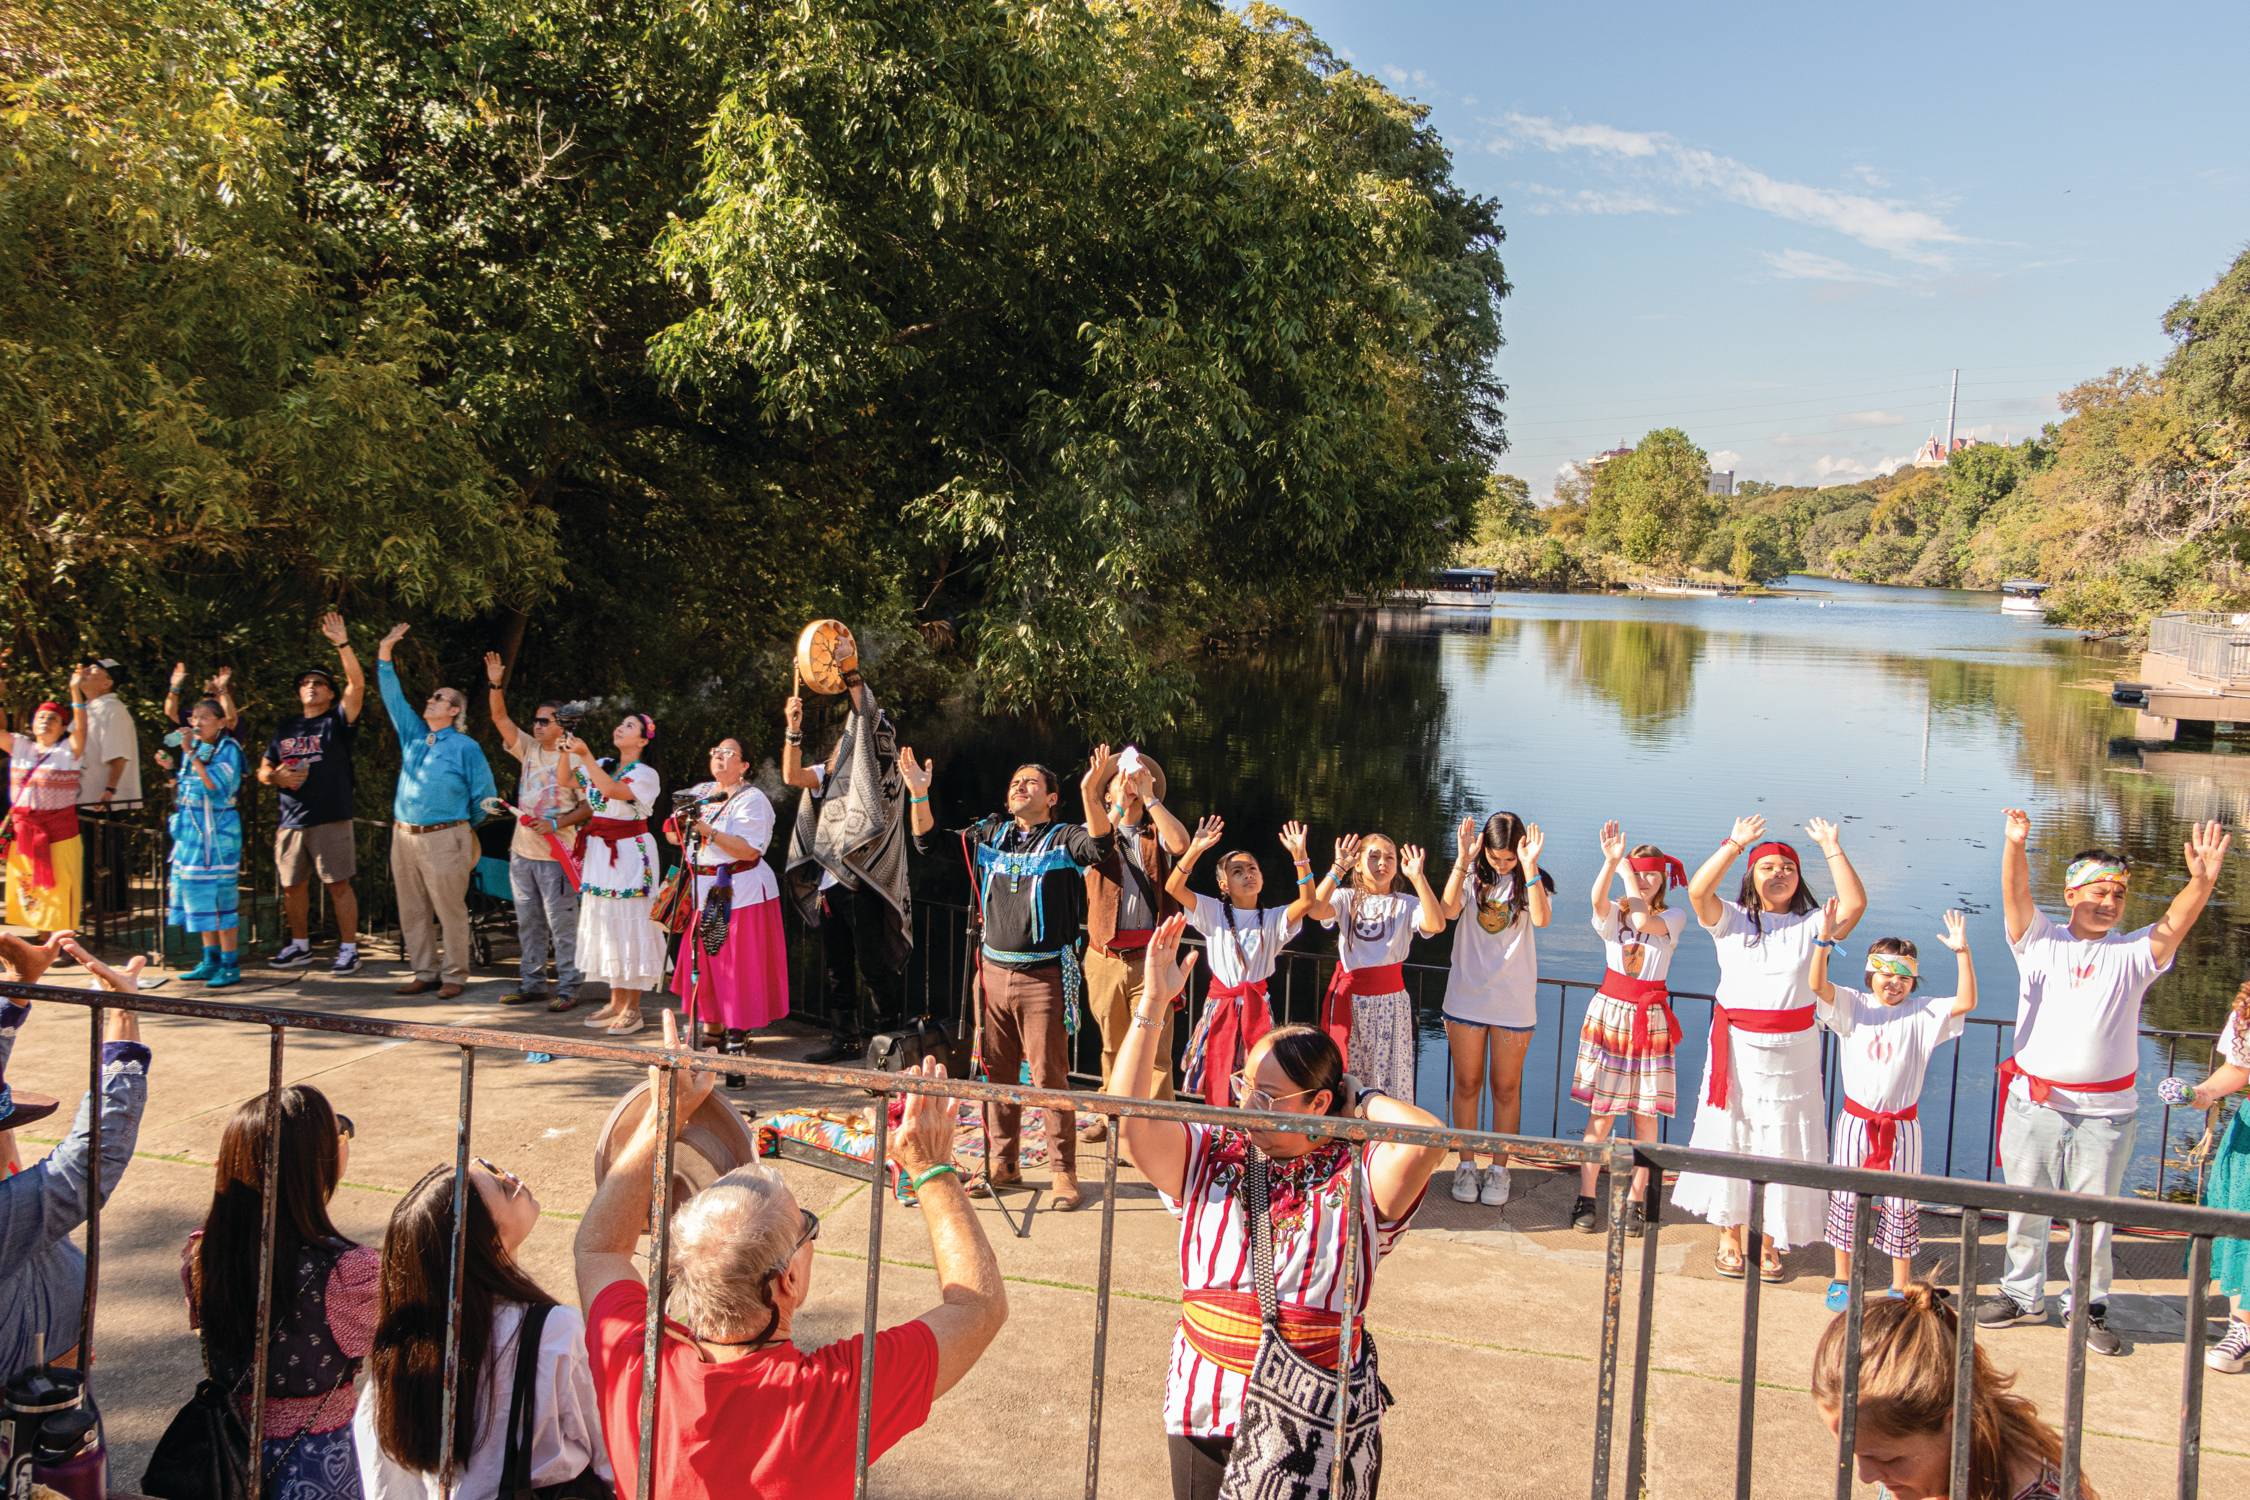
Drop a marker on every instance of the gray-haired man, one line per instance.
(443, 783)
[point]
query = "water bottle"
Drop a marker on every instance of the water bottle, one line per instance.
(68, 1455)
(40, 1392)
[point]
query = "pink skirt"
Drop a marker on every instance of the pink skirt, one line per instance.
(745, 984)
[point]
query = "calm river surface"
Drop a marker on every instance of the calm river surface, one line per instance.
(1910, 716)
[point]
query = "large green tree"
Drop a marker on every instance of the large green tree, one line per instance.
(1650, 505)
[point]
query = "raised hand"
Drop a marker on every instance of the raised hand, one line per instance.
(179, 675)
(1411, 861)
(2206, 851)
(221, 680)
(77, 678)
(332, 626)
(915, 773)
(1613, 842)
(1144, 782)
(1529, 848)
(1293, 842)
(793, 714)
(1465, 840)
(1207, 834)
(494, 668)
(2018, 826)
(397, 633)
(1956, 934)
(1101, 766)
(1167, 975)
(1830, 919)
(923, 1137)
(1347, 852)
(1824, 835)
(1748, 831)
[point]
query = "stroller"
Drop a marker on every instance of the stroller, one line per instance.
(492, 896)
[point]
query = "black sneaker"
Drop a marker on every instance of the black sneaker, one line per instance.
(2099, 1340)
(1582, 1215)
(1636, 1220)
(294, 954)
(2004, 1311)
(840, 1049)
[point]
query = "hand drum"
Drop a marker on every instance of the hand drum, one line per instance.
(825, 652)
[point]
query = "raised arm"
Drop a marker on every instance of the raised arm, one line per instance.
(405, 722)
(78, 713)
(794, 771)
(1703, 885)
(2206, 852)
(1956, 937)
(1170, 831)
(496, 672)
(1430, 917)
(355, 679)
(222, 689)
(1816, 974)
(1207, 835)
(1293, 840)
(609, 786)
(2015, 875)
(917, 774)
(1538, 903)
(1093, 791)
(1464, 861)
(172, 692)
(972, 1300)
(602, 1253)
(1851, 896)
(1322, 906)
(1397, 1172)
(1613, 855)
(1159, 1147)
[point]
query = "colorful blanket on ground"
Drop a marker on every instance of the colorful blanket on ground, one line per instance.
(850, 1134)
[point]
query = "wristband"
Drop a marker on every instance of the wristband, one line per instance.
(943, 1168)
(918, 800)
(1821, 942)
(1305, 879)
(794, 736)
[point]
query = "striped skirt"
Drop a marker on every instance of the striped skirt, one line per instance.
(1610, 1077)
(1897, 1230)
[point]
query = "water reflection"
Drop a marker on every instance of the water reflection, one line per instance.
(1645, 668)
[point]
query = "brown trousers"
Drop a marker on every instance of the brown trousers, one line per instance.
(430, 872)
(1113, 989)
(1023, 1019)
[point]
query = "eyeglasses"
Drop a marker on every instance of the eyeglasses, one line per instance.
(344, 1126)
(808, 1231)
(1248, 1095)
(508, 1179)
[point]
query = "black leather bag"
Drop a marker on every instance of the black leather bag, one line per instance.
(205, 1453)
(515, 1463)
(896, 1051)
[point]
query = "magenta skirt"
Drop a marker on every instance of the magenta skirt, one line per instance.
(745, 984)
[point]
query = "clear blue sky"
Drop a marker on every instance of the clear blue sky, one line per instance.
(1779, 227)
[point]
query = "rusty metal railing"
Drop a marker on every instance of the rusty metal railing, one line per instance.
(2200, 1225)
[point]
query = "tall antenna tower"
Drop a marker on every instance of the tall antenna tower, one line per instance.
(1952, 406)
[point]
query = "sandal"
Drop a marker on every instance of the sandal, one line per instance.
(1771, 1270)
(1732, 1266)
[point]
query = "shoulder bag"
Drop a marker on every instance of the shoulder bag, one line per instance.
(515, 1465)
(1285, 1444)
(204, 1453)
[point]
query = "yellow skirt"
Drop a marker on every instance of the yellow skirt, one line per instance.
(56, 907)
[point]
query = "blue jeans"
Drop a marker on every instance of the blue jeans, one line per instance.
(546, 916)
(2044, 1147)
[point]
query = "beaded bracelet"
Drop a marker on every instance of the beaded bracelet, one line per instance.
(941, 1169)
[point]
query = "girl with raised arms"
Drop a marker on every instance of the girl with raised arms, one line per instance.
(1761, 1093)
(1492, 994)
(1627, 1046)
(1243, 940)
(1367, 1011)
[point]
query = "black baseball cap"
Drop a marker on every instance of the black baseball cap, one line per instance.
(320, 672)
(109, 664)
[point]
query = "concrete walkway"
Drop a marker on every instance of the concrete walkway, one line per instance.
(1488, 1320)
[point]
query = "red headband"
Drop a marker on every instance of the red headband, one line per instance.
(51, 707)
(1674, 870)
(1775, 846)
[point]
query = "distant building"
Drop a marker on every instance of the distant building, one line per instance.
(1933, 453)
(1718, 482)
(1602, 458)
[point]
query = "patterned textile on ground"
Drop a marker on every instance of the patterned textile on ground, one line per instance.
(850, 1134)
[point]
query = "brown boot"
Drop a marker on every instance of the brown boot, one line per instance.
(1066, 1193)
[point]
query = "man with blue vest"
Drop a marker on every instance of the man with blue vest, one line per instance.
(443, 781)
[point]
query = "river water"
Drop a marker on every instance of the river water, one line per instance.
(1909, 716)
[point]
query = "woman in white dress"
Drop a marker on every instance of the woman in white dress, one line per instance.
(1761, 1094)
(1367, 1011)
(619, 944)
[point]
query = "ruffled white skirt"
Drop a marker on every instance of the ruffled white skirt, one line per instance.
(619, 944)
(1775, 1109)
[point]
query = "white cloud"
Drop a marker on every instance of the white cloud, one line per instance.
(1401, 77)
(1870, 419)
(1803, 265)
(1867, 176)
(1550, 200)
(1832, 468)
(1901, 230)
(1726, 458)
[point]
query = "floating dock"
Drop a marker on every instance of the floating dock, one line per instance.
(2195, 671)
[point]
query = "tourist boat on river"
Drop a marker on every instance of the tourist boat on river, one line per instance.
(2020, 596)
(1455, 588)
(1682, 588)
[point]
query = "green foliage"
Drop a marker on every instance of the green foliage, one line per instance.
(2210, 363)
(1761, 549)
(1649, 505)
(1505, 510)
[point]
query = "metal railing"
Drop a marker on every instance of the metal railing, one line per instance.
(1974, 1199)
(2213, 646)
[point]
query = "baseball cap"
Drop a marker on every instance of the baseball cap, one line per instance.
(320, 672)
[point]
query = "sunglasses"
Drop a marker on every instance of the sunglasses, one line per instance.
(543, 719)
(808, 1231)
(344, 1126)
(1248, 1095)
(507, 1179)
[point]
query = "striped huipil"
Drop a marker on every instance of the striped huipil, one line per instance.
(1307, 1195)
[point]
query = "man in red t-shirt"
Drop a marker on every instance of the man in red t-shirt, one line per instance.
(742, 1412)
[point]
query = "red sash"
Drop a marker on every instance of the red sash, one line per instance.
(611, 831)
(2039, 1088)
(1238, 1017)
(1223, 1327)
(1130, 939)
(1643, 995)
(1336, 1010)
(36, 833)
(1764, 1022)
(1882, 1130)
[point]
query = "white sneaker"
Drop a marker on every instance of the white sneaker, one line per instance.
(293, 953)
(1465, 1183)
(2231, 1353)
(1495, 1194)
(347, 959)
